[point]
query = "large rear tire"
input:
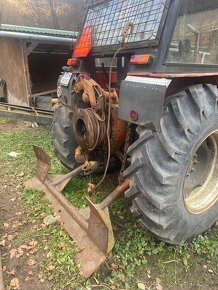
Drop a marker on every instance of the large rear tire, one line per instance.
(174, 172)
(63, 140)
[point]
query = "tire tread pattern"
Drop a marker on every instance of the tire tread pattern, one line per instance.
(157, 158)
(62, 136)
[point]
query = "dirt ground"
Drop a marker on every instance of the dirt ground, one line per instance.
(20, 270)
(15, 224)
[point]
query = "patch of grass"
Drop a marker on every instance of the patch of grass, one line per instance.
(4, 121)
(57, 254)
(205, 245)
(137, 256)
(59, 265)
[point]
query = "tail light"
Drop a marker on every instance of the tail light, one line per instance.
(73, 62)
(84, 44)
(141, 59)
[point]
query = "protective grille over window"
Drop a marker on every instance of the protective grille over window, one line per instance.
(108, 19)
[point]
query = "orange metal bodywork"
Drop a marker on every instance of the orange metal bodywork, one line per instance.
(119, 129)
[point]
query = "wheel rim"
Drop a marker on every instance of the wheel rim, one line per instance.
(201, 183)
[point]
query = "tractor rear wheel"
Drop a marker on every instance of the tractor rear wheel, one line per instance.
(174, 172)
(63, 140)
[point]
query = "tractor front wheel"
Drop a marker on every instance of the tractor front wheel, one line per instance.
(174, 172)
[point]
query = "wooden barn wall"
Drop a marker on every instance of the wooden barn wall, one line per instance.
(13, 71)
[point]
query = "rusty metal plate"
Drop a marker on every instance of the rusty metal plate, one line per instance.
(89, 256)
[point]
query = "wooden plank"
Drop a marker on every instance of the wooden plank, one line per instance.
(26, 70)
(12, 71)
(44, 93)
(31, 47)
(28, 117)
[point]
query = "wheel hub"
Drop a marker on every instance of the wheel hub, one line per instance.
(201, 182)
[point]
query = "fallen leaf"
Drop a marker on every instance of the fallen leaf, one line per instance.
(31, 262)
(4, 268)
(33, 251)
(2, 243)
(33, 243)
(40, 275)
(158, 284)
(13, 154)
(11, 272)
(141, 286)
(11, 237)
(24, 247)
(20, 253)
(113, 266)
(49, 254)
(27, 278)
(62, 246)
(16, 224)
(30, 273)
(90, 188)
(50, 268)
(13, 253)
(19, 213)
(15, 283)
(61, 233)
(6, 225)
(185, 262)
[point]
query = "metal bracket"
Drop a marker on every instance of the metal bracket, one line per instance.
(145, 96)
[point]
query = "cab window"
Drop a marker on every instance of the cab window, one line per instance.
(195, 39)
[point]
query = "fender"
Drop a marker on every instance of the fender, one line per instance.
(141, 100)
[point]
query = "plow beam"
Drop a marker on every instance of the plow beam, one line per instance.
(90, 227)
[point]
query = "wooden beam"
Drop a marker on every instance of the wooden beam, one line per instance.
(44, 93)
(26, 70)
(31, 47)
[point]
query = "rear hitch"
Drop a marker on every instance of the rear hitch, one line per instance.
(90, 227)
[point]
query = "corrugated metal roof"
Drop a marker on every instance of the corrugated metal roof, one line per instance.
(37, 30)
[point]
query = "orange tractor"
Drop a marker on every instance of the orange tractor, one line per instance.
(140, 95)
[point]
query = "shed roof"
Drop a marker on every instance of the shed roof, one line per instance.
(37, 30)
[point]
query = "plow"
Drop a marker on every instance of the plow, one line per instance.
(90, 227)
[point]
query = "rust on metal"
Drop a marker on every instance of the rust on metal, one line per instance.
(115, 194)
(90, 227)
(43, 163)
